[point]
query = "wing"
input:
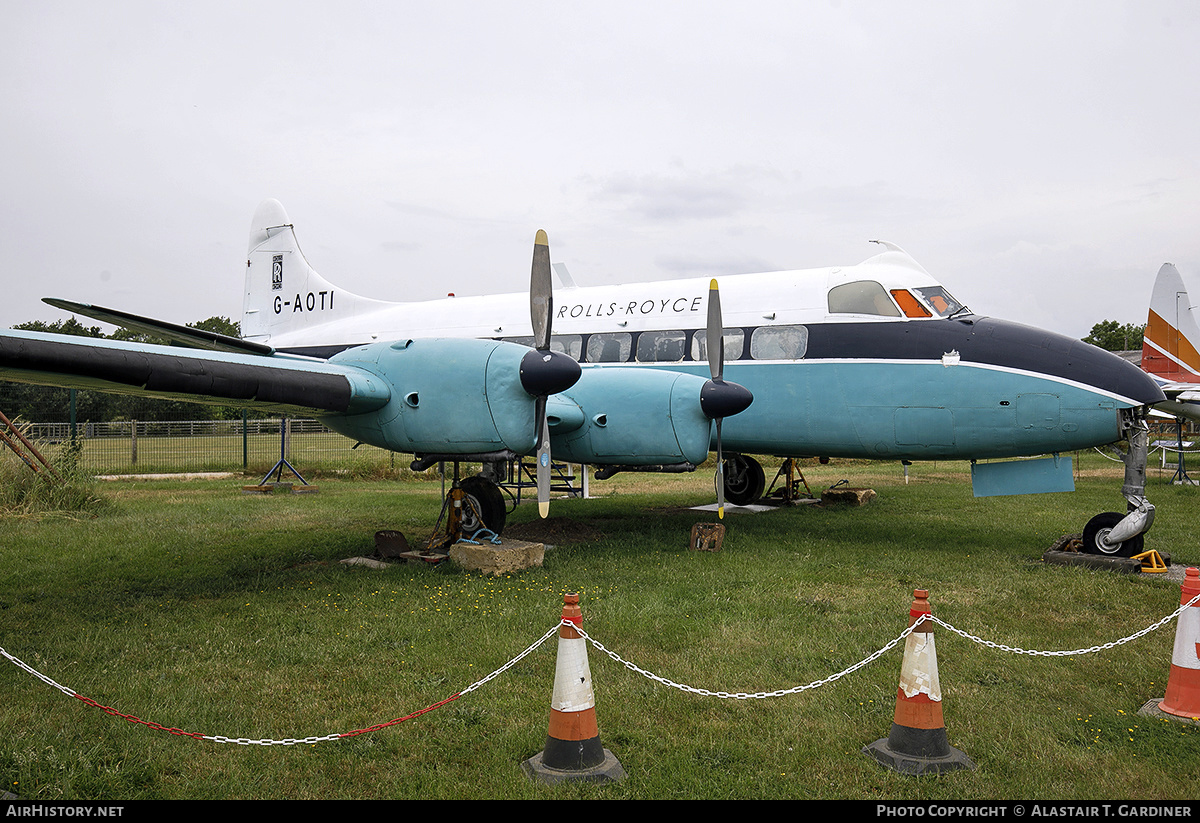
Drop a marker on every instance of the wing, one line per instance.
(276, 383)
(424, 397)
(1183, 400)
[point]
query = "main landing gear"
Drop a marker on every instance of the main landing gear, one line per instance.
(472, 508)
(744, 479)
(746, 483)
(1121, 535)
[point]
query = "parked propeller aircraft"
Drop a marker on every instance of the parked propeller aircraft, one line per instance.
(875, 360)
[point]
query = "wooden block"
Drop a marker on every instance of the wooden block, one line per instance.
(707, 537)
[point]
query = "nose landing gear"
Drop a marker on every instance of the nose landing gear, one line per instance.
(1118, 535)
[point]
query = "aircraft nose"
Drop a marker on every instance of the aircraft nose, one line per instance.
(1110, 371)
(1024, 347)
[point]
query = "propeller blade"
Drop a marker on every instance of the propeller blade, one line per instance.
(543, 461)
(719, 399)
(544, 372)
(720, 475)
(541, 297)
(715, 334)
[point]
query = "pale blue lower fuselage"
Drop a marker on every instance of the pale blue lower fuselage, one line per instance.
(910, 410)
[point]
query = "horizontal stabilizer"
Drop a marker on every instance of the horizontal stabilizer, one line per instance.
(1041, 476)
(183, 335)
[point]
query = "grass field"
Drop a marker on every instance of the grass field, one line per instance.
(193, 606)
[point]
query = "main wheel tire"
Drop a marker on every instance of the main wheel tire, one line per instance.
(485, 509)
(1099, 527)
(744, 480)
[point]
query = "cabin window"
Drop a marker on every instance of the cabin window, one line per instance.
(940, 299)
(735, 344)
(568, 344)
(861, 297)
(661, 346)
(779, 343)
(613, 347)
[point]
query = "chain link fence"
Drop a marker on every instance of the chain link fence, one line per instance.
(124, 434)
(250, 445)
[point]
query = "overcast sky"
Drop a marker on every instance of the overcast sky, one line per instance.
(1041, 159)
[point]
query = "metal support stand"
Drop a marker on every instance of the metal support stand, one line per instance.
(789, 492)
(278, 468)
(517, 475)
(1180, 478)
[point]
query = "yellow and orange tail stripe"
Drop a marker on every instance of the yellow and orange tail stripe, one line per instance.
(1183, 685)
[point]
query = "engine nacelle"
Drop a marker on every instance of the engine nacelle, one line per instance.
(632, 416)
(448, 397)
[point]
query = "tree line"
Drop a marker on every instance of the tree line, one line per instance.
(1114, 336)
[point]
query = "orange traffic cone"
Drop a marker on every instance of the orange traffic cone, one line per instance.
(573, 751)
(1183, 685)
(917, 743)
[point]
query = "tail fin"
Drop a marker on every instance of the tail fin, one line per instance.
(1169, 348)
(283, 293)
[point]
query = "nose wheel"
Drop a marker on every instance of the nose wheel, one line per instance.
(1122, 535)
(1097, 537)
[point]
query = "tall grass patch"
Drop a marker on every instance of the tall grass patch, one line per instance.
(31, 489)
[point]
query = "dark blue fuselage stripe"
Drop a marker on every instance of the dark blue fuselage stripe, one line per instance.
(980, 340)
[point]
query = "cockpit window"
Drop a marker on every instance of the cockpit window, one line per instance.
(911, 306)
(861, 297)
(940, 299)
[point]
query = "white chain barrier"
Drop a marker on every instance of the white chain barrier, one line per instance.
(1089, 650)
(746, 695)
(241, 741)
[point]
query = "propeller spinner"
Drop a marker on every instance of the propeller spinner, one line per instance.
(544, 372)
(719, 399)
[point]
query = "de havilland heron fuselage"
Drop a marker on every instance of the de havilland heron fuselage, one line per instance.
(875, 360)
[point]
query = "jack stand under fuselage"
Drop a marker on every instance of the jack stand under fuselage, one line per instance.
(789, 491)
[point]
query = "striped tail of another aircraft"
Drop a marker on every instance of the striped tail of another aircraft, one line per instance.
(1171, 342)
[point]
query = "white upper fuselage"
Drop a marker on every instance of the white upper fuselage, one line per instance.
(308, 318)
